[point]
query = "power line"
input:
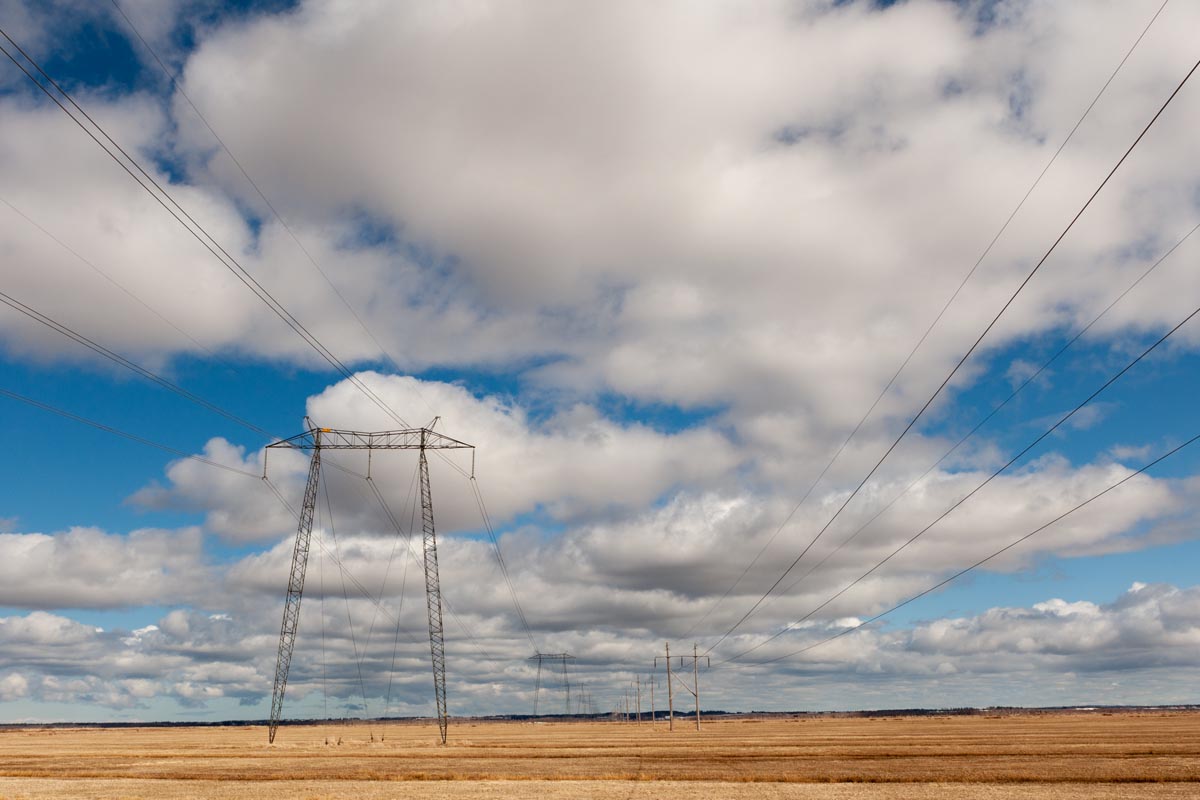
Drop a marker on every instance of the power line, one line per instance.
(408, 544)
(308, 255)
(124, 434)
(399, 612)
(120, 360)
(346, 596)
(962, 360)
(148, 374)
(977, 564)
(191, 225)
(337, 561)
(291, 233)
(1028, 380)
(920, 342)
(487, 522)
(392, 555)
(207, 240)
(988, 480)
(408, 547)
(128, 292)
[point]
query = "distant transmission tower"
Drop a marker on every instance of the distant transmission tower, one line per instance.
(316, 440)
(566, 681)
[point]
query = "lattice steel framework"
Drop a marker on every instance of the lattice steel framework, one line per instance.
(316, 440)
(295, 588)
(564, 658)
(433, 595)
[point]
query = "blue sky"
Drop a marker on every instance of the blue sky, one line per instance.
(655, 319)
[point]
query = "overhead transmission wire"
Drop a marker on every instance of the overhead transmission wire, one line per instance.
(291, 233)
(138, 369)
(104, 274)
(961, 361)
(346, 595)
(324, 668)
(995, 410)
(189, 223)
(347, 574)
(495, 543)
(195, 229)
(974, 566)
(924, 336)
(239, 272)
(1040, 438)
(487, 522)
(124, 434)
(399, 611)
(391, 558)
(262, 195)
(368, 594)
(408, 545)
(120, 360)
(117, 358)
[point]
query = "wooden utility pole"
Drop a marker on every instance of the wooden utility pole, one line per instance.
(653, 714)
(639, 699)
(671, 684)
(670, 693)
(693, 690)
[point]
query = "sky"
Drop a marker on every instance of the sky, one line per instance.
(682, 273)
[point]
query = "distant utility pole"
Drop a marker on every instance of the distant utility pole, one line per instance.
(670, 691)
(653, 713)
(566, 682)
(694, 689)
(639, 699)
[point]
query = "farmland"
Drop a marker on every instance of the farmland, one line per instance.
(1094, 755)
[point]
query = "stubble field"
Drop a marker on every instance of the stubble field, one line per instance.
(1142, 755)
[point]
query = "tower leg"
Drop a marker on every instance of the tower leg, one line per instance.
(537, 687)
(291, 606)
(433, 595)
(566, 687)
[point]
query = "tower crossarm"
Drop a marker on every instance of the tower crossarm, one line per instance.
(405, 439)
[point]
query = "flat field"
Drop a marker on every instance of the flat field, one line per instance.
(1085, 755)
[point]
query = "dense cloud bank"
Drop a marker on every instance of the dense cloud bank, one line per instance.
(1054, 652)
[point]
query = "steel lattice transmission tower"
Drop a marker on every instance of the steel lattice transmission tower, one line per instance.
(566, 682)
(316, 440)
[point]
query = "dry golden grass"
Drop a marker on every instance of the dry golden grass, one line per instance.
(1029, 756)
